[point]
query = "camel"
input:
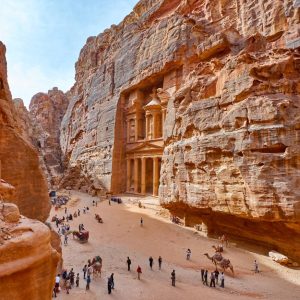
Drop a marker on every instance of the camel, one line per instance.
(97, 267)
(219, 260)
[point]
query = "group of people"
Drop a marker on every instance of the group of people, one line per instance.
(214, 278)
(69, 281)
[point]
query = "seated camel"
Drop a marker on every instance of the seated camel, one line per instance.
(220, 261)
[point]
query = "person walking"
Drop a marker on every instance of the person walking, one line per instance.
(84, 270)
(88, 281)
(205, 277)
(173, 277)
(139, 271)
(151, 262)
(212, 280)
(188, 254)
(128, 263)
(66, 210)
(68, 285)
(217, 276)
(159, 262)
(256, 267)
(202, 275)
(57, 281)
(72, 277)
(77, 280)
(78, 212)
(66, 239)
(109, 285)
(222, 280)
(112, 281)
(142, 222)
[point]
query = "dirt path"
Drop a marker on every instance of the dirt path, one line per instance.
(121, 235)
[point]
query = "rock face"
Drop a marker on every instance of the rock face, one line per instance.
(46, 113)
(27, 260)
(225, 77)
(19, 160)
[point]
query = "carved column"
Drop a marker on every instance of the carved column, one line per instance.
(154, 130)
(155, 176)
(136, 175)
(136, 128)
(143, 179)
(128, 174)
(147, 126)
(128, 131)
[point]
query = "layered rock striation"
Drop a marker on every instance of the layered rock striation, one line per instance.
(19, 160)
(224, 77)
(27, 260)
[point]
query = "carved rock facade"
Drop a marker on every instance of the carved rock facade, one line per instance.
(222, 81)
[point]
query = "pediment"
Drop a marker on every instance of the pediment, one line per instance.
(145, 147)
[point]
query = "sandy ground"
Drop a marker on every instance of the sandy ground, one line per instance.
(121, 235)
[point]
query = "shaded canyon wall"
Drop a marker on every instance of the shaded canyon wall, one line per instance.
(229, 72)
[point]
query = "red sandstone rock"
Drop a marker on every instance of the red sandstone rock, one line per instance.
(19, 160)
(229, 75)
(27, 260)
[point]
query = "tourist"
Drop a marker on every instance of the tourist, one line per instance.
(212, 280)
(173, 277)
(84, 270)
(109, 285)
(188, 254)
(217, 276)
(66, 240)
(77, 280)
(222, 280)
(88, 281)
(202, 275)
(142, 222)
(256, 267)
(139, 271)
(151, 262)
(68, 285)
(90, 270)
(84, 210)
(205, 277)
(78, 212)
(112, 281)
(57, 281)
(72, 277)
(159, 262)
(128, 263)
(93, 203)
(65, 210)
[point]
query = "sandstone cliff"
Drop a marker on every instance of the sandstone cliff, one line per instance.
(19, 160)
(228, 73)
(46, 113)
(27, 260)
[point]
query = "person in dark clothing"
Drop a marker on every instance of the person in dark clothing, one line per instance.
(212, 280)
(128, 263)
(84, 270)
(173, 277)
(159, 262)
(77, 280)
(88, 281)
(202, 275)
(205, 277)
(72, 277)
(112, 281)
(151, 262)
(217, 276)
(142, 222)
(109, 285)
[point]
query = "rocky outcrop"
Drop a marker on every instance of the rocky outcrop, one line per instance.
(228, 73)
(46, 113)
(27, 260)
(19, 160)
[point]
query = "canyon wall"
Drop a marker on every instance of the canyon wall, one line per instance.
(228, 74)
(19, 160)
(27, 260)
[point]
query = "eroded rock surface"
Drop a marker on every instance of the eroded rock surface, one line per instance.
(27, 260)
(227, 74)
(19, 160)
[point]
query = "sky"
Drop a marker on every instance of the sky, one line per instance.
(43, 39)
